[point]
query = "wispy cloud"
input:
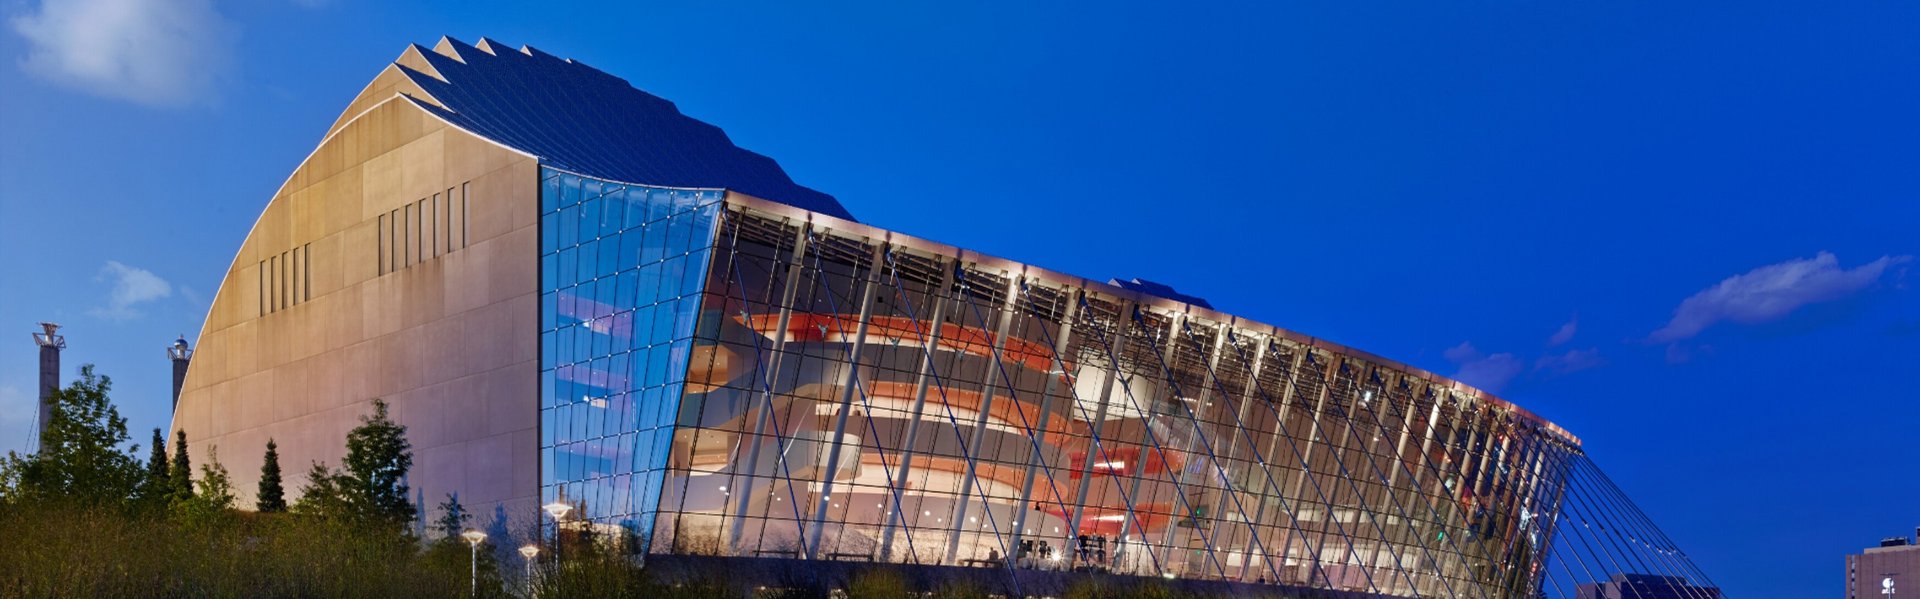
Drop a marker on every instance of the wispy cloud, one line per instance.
(1488, 372)
(1770, 292)
(131, 287)
(1565, 334)
(1571, 361)
(155, 52)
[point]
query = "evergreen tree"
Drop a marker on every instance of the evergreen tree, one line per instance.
(157, 460)
(370, 487)
(323, 494)
(451, 553)
(158, 485)
(182, 470)
(272, 497)
(79, 458)
(378, 458)
(453, 518)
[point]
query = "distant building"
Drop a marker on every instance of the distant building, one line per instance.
(1646, 586)
(1881, 571)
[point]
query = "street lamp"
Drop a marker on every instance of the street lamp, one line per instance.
(559, 512)
(528, 552)
(474, 539)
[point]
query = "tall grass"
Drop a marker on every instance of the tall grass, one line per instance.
(57, 551)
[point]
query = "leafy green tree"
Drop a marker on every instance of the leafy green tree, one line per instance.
(182, 470)
(272, 497)
(216, 487)
(80, 459)
(215, 496)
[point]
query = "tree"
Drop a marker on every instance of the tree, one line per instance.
(182, 470)
(370, 487)
(216, 488)
(378, 458)
(451, 553)
(272, 497)
(453, 518)
(157, 488)
(454, 557)
(323, 494)
(79, 459)
(215, 496)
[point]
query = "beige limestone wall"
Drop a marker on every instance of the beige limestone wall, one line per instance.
(450, 342)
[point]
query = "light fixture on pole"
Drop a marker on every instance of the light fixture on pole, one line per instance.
(528, 552)
(474, 539)
(559, 512)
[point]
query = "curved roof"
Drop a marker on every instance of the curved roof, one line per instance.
(577, 118)
(580, 119)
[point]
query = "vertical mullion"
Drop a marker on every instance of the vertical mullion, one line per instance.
(766, 411)
(1036, 462)
(989, 389)
(922, 381)
(848, 383)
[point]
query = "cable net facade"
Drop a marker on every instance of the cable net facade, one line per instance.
(833, 396)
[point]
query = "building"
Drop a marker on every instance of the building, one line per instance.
(1880, 572)
(570, 292)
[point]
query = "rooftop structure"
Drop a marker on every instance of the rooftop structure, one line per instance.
(1880, 572)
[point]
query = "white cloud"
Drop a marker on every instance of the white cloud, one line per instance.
(156, 52)
(131, 287)
(1565, 334)
(1574, 360)
(1488, 372)
(1771, 292)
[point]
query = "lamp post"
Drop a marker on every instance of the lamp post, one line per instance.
(559, 512)
(528, 552)
(474, 539)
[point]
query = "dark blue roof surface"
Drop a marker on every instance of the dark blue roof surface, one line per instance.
(1160, 290)
(577, 118)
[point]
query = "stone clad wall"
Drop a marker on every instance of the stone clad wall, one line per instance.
(449, 338)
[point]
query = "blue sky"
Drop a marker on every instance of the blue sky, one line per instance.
(1683, 233)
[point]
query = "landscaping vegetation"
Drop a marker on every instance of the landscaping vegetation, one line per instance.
(87, 516)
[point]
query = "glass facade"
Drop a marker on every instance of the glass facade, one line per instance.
(723, 381)
(621, 269)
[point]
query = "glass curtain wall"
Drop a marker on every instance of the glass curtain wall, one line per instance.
(621, 270)
(850, 400)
